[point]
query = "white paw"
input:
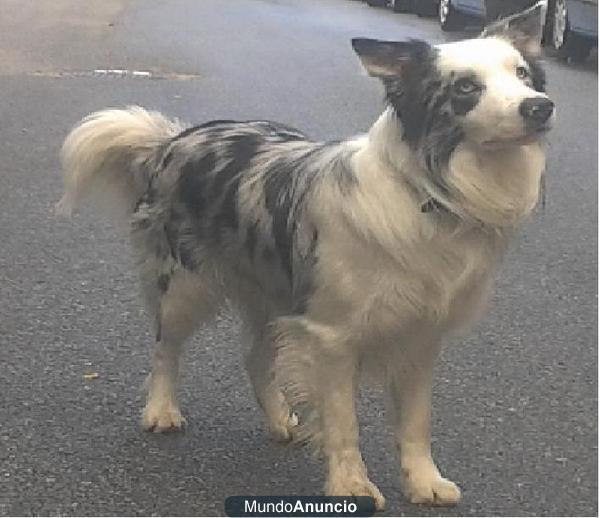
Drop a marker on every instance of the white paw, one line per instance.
(430, 488)
(283, 428)
(164, 417)
(355, 486)
(281, 421)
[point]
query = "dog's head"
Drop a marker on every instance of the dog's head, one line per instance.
(489, 91)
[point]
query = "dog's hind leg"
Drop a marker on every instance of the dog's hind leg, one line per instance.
(183, 303)
(409, 381)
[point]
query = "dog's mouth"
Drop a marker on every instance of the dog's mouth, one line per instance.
(522, 140)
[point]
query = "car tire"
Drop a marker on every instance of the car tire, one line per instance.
(402, 6)
(559, 36)
(450, 19)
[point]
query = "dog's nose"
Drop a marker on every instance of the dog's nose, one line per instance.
(536, 109)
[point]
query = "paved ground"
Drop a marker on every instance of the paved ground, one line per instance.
(516, 408)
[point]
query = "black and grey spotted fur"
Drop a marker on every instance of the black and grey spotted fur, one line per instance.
(209, 170)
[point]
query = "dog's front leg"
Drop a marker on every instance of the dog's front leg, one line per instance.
(410, 387)
(346, 471)
(161, 412)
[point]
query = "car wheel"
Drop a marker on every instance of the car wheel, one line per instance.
(450, 18)
(402, 6)
(562, 39)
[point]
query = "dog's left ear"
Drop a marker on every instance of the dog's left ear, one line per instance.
(523, 29)
(385, 59)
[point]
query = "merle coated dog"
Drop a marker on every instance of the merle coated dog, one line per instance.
(342, 257)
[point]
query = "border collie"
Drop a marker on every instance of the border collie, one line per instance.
(344, 257)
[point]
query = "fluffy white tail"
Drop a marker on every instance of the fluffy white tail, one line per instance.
(106, 155)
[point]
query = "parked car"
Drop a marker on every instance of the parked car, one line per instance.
(571, 27)
(455, 14)
(420, 7)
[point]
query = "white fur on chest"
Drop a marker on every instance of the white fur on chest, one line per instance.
(384, 265)
(442, 282)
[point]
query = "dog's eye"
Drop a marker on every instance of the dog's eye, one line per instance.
(522, 73)
(465, 86)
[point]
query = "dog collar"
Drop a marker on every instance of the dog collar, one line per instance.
(432, 204)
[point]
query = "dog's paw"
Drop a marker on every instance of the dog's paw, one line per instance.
(430, 488)
(283, 429)
(162, 418)
(355, 486)
(281, 421)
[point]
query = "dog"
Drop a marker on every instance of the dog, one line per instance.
(342, 258)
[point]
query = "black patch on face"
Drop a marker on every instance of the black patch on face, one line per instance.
(424, 102)
(462, 103)
(537, 73)
(411, 94)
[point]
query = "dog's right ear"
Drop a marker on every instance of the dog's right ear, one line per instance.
(523, 29)
(390, 58)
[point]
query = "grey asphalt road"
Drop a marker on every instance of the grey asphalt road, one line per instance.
(515, 403)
